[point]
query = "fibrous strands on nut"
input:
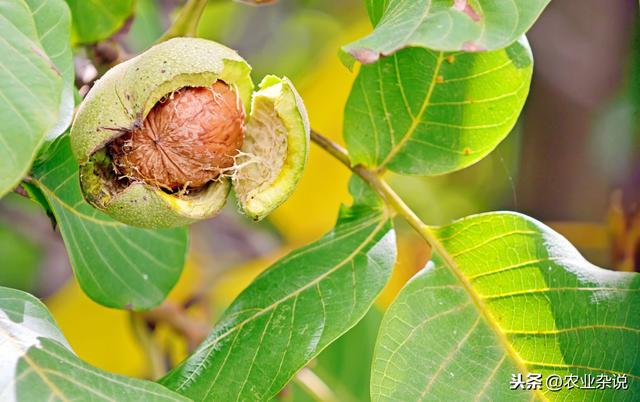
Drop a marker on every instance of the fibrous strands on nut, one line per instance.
(186, 140)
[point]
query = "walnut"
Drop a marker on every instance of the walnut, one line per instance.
(186, 140)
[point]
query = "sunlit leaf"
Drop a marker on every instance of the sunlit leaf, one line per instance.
(30, 90)
(446, 25)
(38, 364)
(116, 265)
(506, 296)
(292, 312)
(95, 20)
(425, 113)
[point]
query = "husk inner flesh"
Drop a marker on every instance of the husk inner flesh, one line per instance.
(264, 150)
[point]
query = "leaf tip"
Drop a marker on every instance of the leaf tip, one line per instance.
(365, 55)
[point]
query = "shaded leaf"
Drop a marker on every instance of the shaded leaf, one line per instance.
(53, 24)
(36, 195)
(292, 312)
(39, 365)
(447, 25)
(345, 365)
(507, 295)
(147, 26)
(116, 265)
(30, 92)
(426, 113)
(95, 20)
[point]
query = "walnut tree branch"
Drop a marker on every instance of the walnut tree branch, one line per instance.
(380, 186)
(193, 330)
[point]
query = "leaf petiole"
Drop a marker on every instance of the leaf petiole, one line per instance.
(393, 200)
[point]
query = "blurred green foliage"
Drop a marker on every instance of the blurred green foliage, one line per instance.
(20, 258)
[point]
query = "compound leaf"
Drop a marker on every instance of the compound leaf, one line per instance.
(505, 295)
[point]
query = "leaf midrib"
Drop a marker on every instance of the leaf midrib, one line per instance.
(479, 303)
(209, 345)
(415, 122)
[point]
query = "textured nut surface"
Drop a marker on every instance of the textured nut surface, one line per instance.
(185, 139)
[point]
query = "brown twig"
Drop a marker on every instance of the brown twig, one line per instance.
(150, 348)
(193, 330)
(21, 191)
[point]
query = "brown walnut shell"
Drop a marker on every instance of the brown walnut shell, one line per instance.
(185, 141)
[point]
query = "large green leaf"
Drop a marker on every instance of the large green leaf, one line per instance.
(292, 312)
(53, 24)
(506, 296)
(30, 91)
(95, 20)
(116, 265)
(424, 112)
(447, 25)
(38, 364)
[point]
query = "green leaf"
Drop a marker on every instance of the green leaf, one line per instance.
(507, 295)
(292, 312)
(446, 25)
(39, 365)
(116, 265)
(423, 112)
(375, 9)
(345, 366)
(30, 92)
(95, 20)
(53, 24)
(147, 26)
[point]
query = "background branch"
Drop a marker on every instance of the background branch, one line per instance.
(315, 387)
(152, 352)
(194, 331)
